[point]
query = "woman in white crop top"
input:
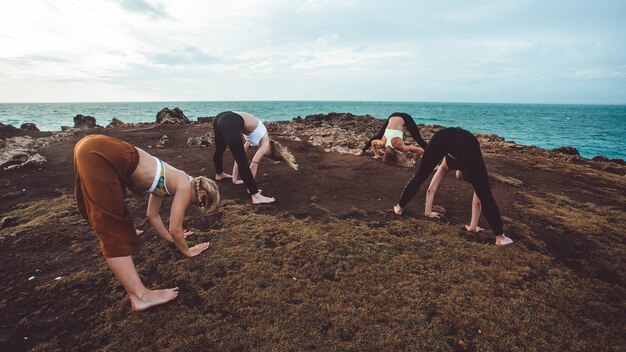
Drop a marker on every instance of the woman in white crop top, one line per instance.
(229, 127)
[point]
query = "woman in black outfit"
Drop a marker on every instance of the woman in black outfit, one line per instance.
(229, 127)
(397, 121)
(464, 149)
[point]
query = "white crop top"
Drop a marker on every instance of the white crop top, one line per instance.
(254, 138)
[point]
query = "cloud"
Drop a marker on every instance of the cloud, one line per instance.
(156, 10)
(316, 5)
(189, 56)
(481, 11)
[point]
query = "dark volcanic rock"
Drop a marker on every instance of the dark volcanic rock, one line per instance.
(172, 116)
(29, 127)
(81, 121)
(115, 123)
(200, 142)
(600, 158)
(163, 142)
(618, 161)
(7, 131)
(205, 119)
(567, 150)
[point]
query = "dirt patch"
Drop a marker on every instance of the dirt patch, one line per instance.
(328, 266)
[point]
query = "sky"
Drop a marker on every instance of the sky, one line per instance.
(504, 51)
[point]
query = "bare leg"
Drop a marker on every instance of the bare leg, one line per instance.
(140, 297)
(398, 209)
(476, 208)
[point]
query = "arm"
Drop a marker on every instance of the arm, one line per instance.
(152, 213)
(476, 208)
(375, 148)
(432, 189)
(181, 200)
(264, 149)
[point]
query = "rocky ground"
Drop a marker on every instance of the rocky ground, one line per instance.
(328, 266)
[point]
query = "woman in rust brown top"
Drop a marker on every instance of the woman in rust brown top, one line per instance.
(104, 167)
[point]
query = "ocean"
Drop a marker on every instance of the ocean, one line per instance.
(592, 129)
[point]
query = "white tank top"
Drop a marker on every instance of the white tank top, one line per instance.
(254, 138)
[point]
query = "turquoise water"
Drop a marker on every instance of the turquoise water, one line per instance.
(592, 129)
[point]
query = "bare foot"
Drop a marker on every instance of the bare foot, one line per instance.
(238, 182)
(474, 229)
(432, 215)
(152, 298)
(502, 240)
(138, 232)
(398, 209)
(376, 156)
(187, 233)
(223, 175)
(261, 199)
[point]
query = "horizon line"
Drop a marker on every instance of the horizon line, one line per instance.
(295, 101)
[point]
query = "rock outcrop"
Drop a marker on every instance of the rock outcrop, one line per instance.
(29, 127)
(82, 121)
(163, 142)
(172, 116)
(116, 123)
(567, 150)
(201, 142)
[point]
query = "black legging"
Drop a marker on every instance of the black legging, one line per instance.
(465, 148)
(227, 128)
(409, 124)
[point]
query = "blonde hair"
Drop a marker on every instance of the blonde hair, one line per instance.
(394, 157)
(279, 152)
(213, 195)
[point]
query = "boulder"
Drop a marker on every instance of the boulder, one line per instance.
(618, 161)
(205, 119)
(17, 158)
(7, 131)
(600, 158)
(81, 121)
(164, 141)
(172, 116)
(200, 142)
(115, 123)
(567, 150)
(29, 127)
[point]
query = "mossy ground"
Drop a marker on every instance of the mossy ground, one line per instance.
(330, 267)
